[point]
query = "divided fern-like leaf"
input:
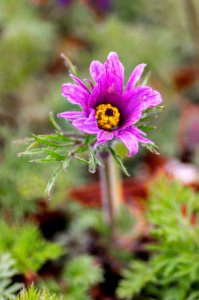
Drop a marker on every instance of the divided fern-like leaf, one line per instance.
(80, 274)
(134, 280)
(27, 246)
(33, 294)
(8, 289)
(173, 269)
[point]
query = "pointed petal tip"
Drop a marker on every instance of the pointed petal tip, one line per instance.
(64, 88)
(135, 76)
(143, 65)
(72, 76)
(96, 69)
(112, 53)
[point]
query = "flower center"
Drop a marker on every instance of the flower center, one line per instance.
(107, 116)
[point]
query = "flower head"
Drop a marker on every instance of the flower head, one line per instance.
(108, 109)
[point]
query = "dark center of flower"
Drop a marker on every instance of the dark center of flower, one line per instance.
(109, 112)
(107, 116)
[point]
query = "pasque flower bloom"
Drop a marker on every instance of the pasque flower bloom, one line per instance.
(108, 109)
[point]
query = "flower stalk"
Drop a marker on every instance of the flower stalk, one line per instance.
(111, 189)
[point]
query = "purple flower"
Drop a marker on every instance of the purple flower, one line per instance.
(64, 2)
(100, 5)
(107, 108)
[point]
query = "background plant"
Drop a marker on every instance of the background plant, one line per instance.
(8, 289)
(27, 246)
(172, 271)
(33, 294)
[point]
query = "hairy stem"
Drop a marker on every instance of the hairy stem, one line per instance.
(111, 189)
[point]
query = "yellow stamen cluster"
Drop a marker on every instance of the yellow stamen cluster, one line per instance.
(107, 116)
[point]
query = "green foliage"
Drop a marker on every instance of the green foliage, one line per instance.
(168, 130)
(61, 147)
(27, 246)
(33, 294)
(80, 274)
(119, 161)
(22, 186)
(173, 270)
(145, 124)
(135, 279)
(19, 194)
(7, 270)
(87, 218)
(155, 13)
(92, 218)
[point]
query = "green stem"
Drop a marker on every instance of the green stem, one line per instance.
(111, 189)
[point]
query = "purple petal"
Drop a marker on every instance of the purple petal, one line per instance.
(147, 96)
(88, 125)
(109, 78)
(144, 96)
(106, 90)
(130, 110)
(103, 136)
(136, 131)
(71, 115)
(80, 82)
(114, 67)
(113, 90)
(139, 134)
(144, 140)
(97, 69)
(98, 94)
(75, 94)
(132, 116)
(135, 76)
(129, 140)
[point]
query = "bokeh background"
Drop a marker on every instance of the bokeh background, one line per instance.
(33, 34)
